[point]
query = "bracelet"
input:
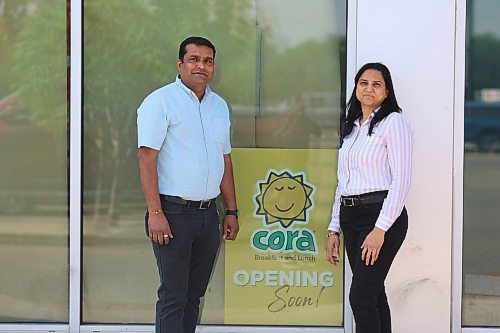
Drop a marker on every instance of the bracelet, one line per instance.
(155, 212)
(330, 233)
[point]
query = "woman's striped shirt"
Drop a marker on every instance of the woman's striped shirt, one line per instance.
(378, 162)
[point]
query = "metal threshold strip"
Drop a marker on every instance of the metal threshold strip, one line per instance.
(57, 328)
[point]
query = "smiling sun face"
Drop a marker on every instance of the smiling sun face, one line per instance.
(284, 198)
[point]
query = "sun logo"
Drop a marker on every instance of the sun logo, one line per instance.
(284, 198)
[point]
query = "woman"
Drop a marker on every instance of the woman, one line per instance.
(373, 180)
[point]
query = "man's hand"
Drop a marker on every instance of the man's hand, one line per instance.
(159, 229)
(372, 245)
(231, 227)
(332, 249)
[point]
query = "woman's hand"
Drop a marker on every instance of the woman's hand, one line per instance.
(332, 249)
(372, 245)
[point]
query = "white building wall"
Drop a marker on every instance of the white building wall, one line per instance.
(416, 40)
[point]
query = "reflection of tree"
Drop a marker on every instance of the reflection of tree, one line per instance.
(309, 67)
(114, 57)
(33, 74)
(298, 73)
(484, 63)
(12, 15)
(130, 49)
(38, 62)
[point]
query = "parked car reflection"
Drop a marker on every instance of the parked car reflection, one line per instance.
(482, 126)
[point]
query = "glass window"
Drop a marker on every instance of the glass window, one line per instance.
(280, 71)
(481, 267)
(299, 92)
(34, 163)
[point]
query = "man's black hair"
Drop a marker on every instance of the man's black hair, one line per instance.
(199, 41)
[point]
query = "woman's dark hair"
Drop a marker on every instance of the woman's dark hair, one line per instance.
(354, 112)
(198, 41)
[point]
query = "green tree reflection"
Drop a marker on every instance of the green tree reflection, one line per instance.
(484, 62)
(39, 63)
(130, 49)
(33, 116)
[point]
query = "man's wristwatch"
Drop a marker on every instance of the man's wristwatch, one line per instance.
(232, 212)
(330, 233)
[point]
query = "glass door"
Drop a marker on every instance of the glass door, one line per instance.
(481, 267)
(34, 162)
(281, 67)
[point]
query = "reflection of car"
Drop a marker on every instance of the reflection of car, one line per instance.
(482, 125)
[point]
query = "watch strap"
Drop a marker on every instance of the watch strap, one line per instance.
(232, 212)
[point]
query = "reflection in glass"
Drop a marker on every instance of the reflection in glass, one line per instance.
(481, 267)
(33, 171)
(300, 71)
(278, 95)
(130, 49)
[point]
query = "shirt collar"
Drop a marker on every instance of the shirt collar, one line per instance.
(188, 91)
(370, 117)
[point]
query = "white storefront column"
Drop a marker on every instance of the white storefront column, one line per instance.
(458, 170)
(75, 178)
(416, 40)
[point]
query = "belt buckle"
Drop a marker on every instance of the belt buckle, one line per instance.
(346, 202)
(203, 202)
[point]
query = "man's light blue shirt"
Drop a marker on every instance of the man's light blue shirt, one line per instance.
(191, 137)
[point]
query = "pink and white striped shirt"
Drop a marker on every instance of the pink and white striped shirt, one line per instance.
(378, 162)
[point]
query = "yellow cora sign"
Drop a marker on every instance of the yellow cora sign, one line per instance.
(275, 272)
(281, 278)
(294, 240)
(283, 197)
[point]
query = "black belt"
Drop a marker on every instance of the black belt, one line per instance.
(201, 204)
(363, 199)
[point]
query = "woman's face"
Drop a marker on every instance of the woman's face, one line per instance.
(371, 90)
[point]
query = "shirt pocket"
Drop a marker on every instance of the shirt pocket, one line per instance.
(220, 129)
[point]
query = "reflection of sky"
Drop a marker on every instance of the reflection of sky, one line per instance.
(295, 21)
(486, 17)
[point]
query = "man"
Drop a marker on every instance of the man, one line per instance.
(185, 162)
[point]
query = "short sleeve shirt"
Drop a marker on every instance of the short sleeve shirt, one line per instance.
(191, 137)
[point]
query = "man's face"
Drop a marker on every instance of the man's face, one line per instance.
(197, 67)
